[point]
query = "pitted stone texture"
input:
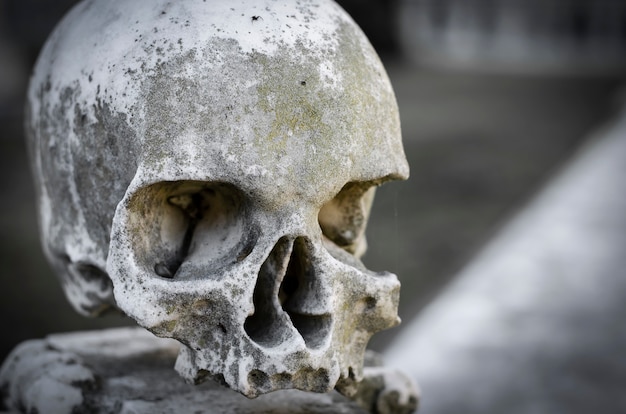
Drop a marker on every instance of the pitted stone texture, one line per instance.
(125, 371)
(213, 164)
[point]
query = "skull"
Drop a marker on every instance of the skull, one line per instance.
(208, 168)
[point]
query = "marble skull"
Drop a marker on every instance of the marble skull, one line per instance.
(208, 168)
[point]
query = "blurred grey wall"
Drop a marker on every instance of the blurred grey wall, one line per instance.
(539, 36)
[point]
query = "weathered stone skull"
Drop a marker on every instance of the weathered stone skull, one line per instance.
(208, 167)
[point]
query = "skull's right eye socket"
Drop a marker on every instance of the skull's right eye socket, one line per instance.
(189, 229)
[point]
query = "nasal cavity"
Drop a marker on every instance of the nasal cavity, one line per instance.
(299, 292)
(291, 265)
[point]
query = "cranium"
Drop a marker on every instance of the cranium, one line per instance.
(208, 167)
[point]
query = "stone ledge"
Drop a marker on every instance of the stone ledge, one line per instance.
(128, 370)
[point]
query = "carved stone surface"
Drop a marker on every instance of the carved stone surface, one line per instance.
(208, 168)
(128, 370)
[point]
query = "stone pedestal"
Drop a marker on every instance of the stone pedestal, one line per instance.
(128, 370)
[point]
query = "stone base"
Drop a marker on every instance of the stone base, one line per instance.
(128, 370)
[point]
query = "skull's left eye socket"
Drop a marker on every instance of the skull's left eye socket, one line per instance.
(343, 219)
(190, 229)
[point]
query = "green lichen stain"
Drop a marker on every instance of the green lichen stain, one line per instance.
(170, 309)
(165, 328)
(287, 92)
(325, 123)
(303, 116)
(361, 111)
(373, 104)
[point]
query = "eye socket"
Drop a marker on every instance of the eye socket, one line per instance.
(181, 229)
(344, 218)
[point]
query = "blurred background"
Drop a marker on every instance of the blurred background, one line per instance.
(495, 96)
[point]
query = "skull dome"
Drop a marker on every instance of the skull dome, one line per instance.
(208, 168)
